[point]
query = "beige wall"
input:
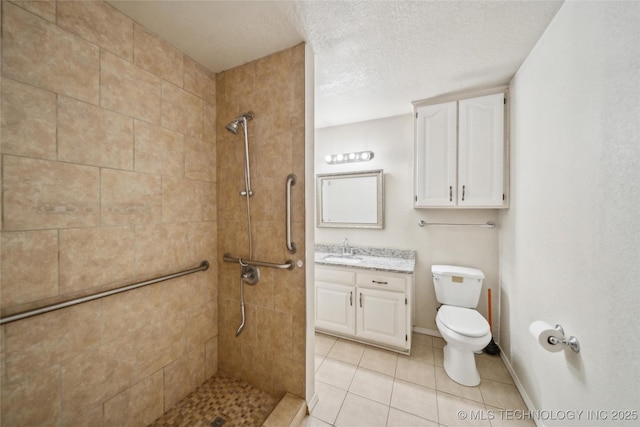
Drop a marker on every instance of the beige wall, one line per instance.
(270, 351)
(108, 161)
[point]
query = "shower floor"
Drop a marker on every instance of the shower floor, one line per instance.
(235, 402)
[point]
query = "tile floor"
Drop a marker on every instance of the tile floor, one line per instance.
(360, 385)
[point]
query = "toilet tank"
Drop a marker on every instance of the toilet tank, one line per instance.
(457, 286)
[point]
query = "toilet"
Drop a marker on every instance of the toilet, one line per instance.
(461, 326)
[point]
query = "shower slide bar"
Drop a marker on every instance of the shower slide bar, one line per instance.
(487, 224)
(204, 265)
(291, 247)
(286, 266)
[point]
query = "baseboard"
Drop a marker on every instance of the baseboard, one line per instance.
(311, 403)
(426, 331)
(520, 387)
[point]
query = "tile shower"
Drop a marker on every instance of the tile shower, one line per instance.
(109, 153)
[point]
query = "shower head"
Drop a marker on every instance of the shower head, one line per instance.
(233, 125)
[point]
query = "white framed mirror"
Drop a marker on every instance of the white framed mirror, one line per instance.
(350, 199)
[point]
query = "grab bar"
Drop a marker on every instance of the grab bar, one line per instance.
(286, 266)
(487, 224)
(291, 247)
(204, 265)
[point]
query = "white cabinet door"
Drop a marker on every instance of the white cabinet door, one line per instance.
(436, 155)
(481, 151)
(381, 316)
(335, 308)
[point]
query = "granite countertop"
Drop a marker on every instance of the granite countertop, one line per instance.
(392, 260)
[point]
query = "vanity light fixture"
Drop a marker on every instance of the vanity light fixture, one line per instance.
(359, 156)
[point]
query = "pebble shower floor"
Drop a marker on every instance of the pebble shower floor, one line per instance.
(220, 401)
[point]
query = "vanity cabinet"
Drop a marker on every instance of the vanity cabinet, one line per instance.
(372, 307)
(460, 153)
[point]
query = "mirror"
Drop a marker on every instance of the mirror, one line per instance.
(350, 200)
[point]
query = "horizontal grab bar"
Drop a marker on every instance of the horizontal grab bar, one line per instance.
(286, 266)
(204, 265)
(487, 224)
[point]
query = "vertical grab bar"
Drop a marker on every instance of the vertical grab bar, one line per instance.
(291, 247)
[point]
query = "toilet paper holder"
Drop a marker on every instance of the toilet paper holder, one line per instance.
(572, 342)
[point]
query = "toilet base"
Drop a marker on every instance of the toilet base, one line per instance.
(460, 366)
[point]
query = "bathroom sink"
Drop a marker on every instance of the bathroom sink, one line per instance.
(342, 259)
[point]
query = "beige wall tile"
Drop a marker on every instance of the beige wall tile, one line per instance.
(161, 247)
(209, 123)
(37, 52)
(187, 200)
(91, 418)
(128, 89)
(90, 135)
(182, 376)
(28, 120)
(130, 198)
(199, 159)
(158, 150)
(91, 257)
(157, 56)
(202, 238)
(35, 400)
(43, 194)
(99, 23)
(29, 266)
(139, 405)
(200, 326)
(131, 311)
(199, 81)
(159, 344)
(239, 82)
(41, 341)
(43, 8)
(181, 111)
(275, 71)
(211, 357)
(92, 376)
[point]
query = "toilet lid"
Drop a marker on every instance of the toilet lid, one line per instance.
(464, 321)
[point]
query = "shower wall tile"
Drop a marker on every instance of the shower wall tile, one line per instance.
(34, 401)
(183, 375)
(187, 200)
(29, 266)
(98, 23)
(130, 198)
(89, 135)
(157, 56)
(28, 120)
(124, 311)
(139, 405)
(94, 375)
(37, 52)
(39, 342)
(160, 247)
(96, 113)
(181, 110)
(159, 344)
(42, 194)
(91, 257)
(199, 81)
(45, 9)
(157, 150)
(275, 71)
(274, 156)
(239, 82)
(199, 159)
(121, 81)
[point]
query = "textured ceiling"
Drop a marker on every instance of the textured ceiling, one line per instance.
(372, 58)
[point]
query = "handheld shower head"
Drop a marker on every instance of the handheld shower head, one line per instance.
(240, 120)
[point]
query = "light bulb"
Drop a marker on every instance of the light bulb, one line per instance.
(365, 155)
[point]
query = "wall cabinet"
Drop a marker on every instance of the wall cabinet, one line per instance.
(372, 307)
(460, 153)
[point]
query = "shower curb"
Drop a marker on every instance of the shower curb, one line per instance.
(289, 412)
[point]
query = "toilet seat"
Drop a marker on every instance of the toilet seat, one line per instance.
(464, 321)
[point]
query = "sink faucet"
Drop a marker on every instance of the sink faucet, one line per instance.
(345, 247)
